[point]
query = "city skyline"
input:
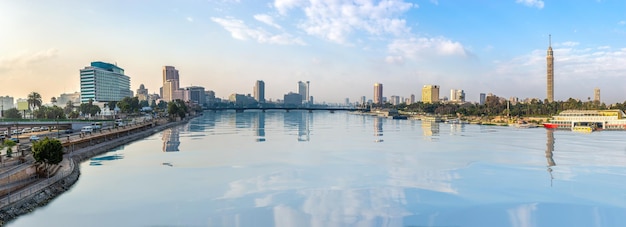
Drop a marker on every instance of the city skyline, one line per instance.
(343, 47)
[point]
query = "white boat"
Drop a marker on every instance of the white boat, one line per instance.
(613, 119)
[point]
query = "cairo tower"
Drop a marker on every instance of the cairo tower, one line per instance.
(550, 64)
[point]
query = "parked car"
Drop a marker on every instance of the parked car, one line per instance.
(15, 132)
(16, 140)
(26, 130)
(34, 138)
(68, 131)
(2, 137)
(36, 129)
(45, 128)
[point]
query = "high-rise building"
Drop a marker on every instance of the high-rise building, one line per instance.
(457, 95)
(6, 103)
(142, 93)
(259, 91)
(430, 94)
(378, 93)
(550, 73)
(171, 84)
(103, 82)
(596, 95)
(195, 94)
(292, 99)
(210, 97)
(482, 99)
(303, 90)
(363, 100)
(412, 99)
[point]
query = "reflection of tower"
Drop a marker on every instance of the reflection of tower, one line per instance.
(303, 126)
(431, 128)
(260, 127)
(171, 139)
(550, 73)
(549, 150)
(378, 129)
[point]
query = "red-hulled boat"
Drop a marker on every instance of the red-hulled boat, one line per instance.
(550, 125)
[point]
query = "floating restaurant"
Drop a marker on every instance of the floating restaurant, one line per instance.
(598, 119)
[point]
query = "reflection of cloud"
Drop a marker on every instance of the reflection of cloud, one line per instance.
(521, 216)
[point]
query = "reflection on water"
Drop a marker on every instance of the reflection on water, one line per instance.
(259, 125)
(489, 176)
(430, 128)
(171, 139)
(549, 151)
(378, 129)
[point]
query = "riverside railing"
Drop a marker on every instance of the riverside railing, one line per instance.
(36, 188)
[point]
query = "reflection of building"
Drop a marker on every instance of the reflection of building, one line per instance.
(549, 150)
(430, 128)
(171, 139)
(378, 93)
(430, 93)
(103, 82)
(304, 134)
(378, 129)
(259, 125)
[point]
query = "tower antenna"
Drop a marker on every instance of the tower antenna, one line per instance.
(550, 39)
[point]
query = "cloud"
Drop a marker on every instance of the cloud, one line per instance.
(419, 48)
(337, 20)
(189, 19)
(622, 22)
(531, 3)
(26, 59)
(570, 44)
(267, 19)
(399, 60)
(239, 30)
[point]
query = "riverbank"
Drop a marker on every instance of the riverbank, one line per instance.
(30, 203)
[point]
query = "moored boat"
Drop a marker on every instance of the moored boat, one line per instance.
(586, 129)
(613, 119)
(550, 125)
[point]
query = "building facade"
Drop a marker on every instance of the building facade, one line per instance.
(303, 90)
(292, 99)
(103, 82)
(457, 95)
(550, 72)
(482, 99)
(259, 91)
(66, 97)
(430, 94)
(142, 93)
(378, 93)
(171, 84)
(195, 94)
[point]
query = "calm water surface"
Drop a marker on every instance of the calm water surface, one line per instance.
(339, 169)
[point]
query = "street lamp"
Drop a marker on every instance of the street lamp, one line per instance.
(57, 127)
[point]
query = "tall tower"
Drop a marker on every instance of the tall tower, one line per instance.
(171, 84)
(430, 93)
(596, 95)
(259, 91)
(378, 93)
(303, 90)
(550, 64)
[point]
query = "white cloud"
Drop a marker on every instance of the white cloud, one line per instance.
(570, 44)
(26, 59)
(189, 19)
(622, 22)
(267, 19)
(424, 47)
(395, 60)
(239, 30)
(531, 3)
(337, 20)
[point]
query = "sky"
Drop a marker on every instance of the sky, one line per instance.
(342, 47)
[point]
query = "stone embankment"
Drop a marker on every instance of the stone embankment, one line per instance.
(43, 197)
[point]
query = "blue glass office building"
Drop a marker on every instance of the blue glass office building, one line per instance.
(103, 82)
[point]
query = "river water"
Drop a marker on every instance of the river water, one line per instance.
(341, 169)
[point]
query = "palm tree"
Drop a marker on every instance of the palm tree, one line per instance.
(34, 100)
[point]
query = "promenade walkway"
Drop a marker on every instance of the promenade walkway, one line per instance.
(78, 146)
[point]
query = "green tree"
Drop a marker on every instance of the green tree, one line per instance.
(69, 107)
(12, 113)
(34, 100)
(89, 108)
(10, 144)
(48, 151)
